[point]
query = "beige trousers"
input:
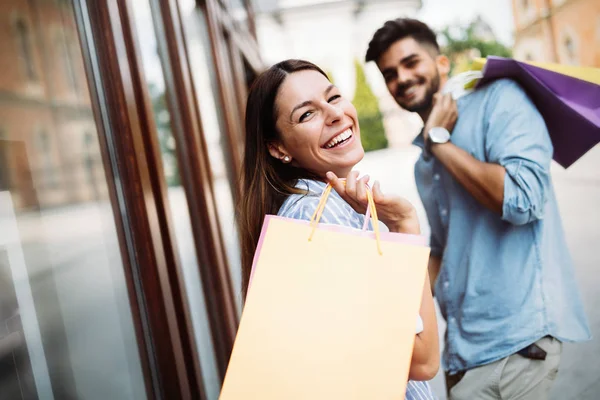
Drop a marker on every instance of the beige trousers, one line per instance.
(511, 378)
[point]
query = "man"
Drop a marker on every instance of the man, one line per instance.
(505, 283)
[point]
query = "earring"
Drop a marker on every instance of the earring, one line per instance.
(287, 159)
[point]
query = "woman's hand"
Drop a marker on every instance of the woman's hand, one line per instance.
(397, 213)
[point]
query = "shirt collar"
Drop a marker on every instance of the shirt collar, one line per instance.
(311, 186)
(420, 140)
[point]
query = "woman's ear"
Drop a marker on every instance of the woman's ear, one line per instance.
(277, 151)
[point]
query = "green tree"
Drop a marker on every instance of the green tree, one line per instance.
(372, 131)
(463, 43)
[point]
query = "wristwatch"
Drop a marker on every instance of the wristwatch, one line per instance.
(437, 135)
(440, 135)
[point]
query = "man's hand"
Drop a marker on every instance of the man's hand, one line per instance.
(443, 114)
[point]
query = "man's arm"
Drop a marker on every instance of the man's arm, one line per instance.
(514, 179)
(484, 181)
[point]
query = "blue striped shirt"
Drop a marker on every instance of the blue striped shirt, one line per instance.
(338, 212)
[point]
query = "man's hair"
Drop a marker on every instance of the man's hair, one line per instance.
(398, 29)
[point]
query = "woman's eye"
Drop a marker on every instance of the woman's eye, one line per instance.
(305, 115)
(335, 97)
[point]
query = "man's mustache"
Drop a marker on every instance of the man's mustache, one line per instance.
(407, 85)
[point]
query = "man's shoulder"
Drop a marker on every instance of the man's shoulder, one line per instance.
(500, 96)
(503, 89)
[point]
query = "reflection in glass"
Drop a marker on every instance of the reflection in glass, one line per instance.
(66, 329)
(239, 12)
(25, 48)
(177, 199)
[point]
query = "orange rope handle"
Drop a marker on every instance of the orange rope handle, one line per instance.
(316, 217)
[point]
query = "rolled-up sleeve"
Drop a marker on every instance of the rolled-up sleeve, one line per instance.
(517, 139)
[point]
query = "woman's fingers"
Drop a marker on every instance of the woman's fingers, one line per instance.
(361, 190)
(351, 184)
(396, 212)
(336, 183)
(354, 192)
(378, 196)
(332, 178)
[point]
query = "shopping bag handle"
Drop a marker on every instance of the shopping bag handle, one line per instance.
(316, 217)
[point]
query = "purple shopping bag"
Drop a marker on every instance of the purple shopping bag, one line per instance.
(570, 105)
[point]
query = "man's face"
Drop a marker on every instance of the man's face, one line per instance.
(412, 74)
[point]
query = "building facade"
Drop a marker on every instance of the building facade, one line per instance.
(121, 124)
(559, 31)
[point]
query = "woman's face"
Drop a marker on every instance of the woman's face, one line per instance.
(318, 128)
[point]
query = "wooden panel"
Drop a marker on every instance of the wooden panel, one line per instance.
(225, 37)
(138, 193)
(239, 77)
(247, 44)
(233, 123)
(251, 18)
(197, 180)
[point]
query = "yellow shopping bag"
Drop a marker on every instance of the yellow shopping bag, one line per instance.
(330, 317)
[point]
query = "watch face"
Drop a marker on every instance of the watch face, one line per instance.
(439, 135)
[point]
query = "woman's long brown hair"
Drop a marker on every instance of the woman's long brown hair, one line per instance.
(266, 181)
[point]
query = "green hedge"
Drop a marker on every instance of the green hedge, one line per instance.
(370, 118)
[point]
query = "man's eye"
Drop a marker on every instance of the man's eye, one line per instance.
(388, 78)
(335, 97)
(305, 115)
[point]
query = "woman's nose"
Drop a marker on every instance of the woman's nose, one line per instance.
(334, 113)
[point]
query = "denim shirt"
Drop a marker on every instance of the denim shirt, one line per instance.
(505, 281)
(338, 212)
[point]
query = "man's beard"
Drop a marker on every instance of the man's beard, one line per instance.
(426, 103)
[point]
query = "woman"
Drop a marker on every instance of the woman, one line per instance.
(300, 134)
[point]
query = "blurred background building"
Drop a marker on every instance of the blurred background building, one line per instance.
(560, 31)
(46, 105)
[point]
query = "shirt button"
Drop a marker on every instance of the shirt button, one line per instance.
(444, 212)
(451, 320)
(446, 284)
(436, 177)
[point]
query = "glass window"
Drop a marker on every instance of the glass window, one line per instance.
(66, 327)
(25, 48)
(177, 198)
(65, 45)
(569, 47)
(209, 99)
(240, 13)
(46, 166)
(4, 172)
